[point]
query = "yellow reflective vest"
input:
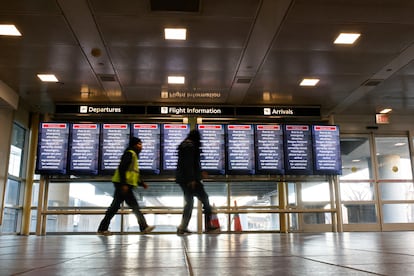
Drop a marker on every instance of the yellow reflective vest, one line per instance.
(132, 173)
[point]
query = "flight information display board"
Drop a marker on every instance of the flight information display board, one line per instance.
(269, 149)
(149, 158)
(114, 140)
(298, 149)
(326, 149)
(84, 149)
(240, 149)
(52, 148)
(212, 146)
(172, 136)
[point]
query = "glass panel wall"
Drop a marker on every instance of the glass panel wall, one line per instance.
(395, 179)
(13, 194)
(357, 184)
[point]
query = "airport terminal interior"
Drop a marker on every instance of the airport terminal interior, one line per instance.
(305, 111)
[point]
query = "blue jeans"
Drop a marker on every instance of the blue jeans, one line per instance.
(119, 197)
(189, 194)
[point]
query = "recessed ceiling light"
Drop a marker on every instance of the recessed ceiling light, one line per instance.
(176, 80)
(175, 33)
(399, 144)
(9, 30)
(347, 38)
(309, 82)
(386, 110)
(47, 77)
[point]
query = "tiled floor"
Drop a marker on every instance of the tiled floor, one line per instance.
(374, 253)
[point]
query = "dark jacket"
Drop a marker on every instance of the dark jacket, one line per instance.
(188, 165)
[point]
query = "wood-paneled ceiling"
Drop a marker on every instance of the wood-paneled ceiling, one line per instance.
(252, 52)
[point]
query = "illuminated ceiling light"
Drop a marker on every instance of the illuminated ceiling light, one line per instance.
(386, 110)
(175, 33)
(309, 82)
(347, 38)
(266, 96)
(399, 144)
(356, 160)
(176, 80)
(9, 30)
(47, 77)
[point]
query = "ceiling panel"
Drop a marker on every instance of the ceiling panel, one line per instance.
(272, 44)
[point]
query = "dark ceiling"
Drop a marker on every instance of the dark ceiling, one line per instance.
(247, 52)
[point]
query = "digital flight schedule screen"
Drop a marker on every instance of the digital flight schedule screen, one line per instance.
(84, 148)
(326, 149)
(298, 149)
(269, 149)
(114, 140)
(240, 149)
(172, 136)
(149, 158)
(52, 148)
(212, 148)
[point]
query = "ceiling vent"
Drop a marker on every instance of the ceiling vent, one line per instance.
(107, 78)
(243, 80)
(175, 6)
(372, 82)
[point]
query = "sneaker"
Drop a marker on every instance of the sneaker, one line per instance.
(212, 230)
(104, 233)
(183, 232)
(148, 229)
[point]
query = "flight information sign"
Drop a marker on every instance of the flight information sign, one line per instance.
(326, 149)
(212, 148)
(298, 149)
(172, 136)
(269, 149)
(52, 148)
(149, 158)
(114, 140)
(84, 149)
(240, 149)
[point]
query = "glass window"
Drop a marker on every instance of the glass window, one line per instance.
(16, 150)
(393, 158)
(356, 158)
(12, 192)
(398, 213)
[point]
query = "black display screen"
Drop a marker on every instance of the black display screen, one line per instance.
(326, 149)
(298, 149)
(172, 136)
(149, 158)
(84, 149)
(212, 146)
(269, 149)
(240, 149)
(114, 140)
(52, 148)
